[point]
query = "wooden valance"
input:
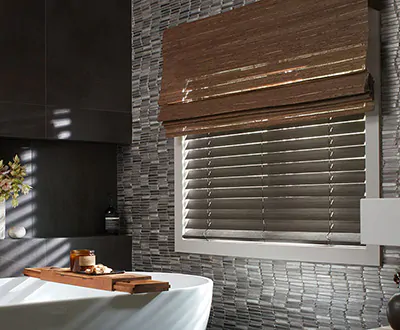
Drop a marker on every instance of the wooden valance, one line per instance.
(266, 63)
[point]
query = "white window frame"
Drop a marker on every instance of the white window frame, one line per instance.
(338, 254)
(368, 255)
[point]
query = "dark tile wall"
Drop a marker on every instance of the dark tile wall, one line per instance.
(248, 293)
(71, 182)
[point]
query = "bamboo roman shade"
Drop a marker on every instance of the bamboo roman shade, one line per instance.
(297, 183)
(267, 63)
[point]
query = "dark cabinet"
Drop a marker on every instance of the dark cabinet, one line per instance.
(89, 70)
(89, 54)
(72, 123)
(66, 70)
(22, 55)
(20, 120)
(22, 68)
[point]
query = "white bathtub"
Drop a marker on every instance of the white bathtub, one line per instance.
(29, 303)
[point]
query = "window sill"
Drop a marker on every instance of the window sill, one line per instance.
(337, 254)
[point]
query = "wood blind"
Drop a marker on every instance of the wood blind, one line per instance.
(297, 183)
(267, 63)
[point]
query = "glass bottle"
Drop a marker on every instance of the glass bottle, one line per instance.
(111, 218)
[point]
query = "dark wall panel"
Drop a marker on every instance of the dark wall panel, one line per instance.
(65, 70)
(88, 125)
(89, 54)
(22, 56)
(22, 120)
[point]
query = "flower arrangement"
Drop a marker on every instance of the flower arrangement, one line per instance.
(12, 178)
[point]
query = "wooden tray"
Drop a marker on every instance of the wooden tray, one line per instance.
(131, 283)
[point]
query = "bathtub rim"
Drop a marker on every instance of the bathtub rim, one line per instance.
(207, 282)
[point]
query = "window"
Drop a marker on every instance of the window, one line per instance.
(287, 192)
(255, 189)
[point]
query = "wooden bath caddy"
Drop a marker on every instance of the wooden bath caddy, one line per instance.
(131, 283)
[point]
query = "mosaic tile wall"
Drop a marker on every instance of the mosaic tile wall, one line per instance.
(249, 293)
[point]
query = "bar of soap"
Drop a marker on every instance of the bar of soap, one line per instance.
(17, 232)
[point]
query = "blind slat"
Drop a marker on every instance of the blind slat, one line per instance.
(285, 168)
(272, 135)
(271, 236)
(265, 147)
(293, 126)
(268, 191)
(277, 180)
(274, 202)
(278, 157)
(290, 225)
(299, 214)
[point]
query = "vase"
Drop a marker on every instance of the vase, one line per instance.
(2, 220)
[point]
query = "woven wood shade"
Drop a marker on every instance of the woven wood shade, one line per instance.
(268, 63)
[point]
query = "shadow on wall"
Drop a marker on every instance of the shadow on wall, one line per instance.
(62, 123)
(24, 213)
(15, 255)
